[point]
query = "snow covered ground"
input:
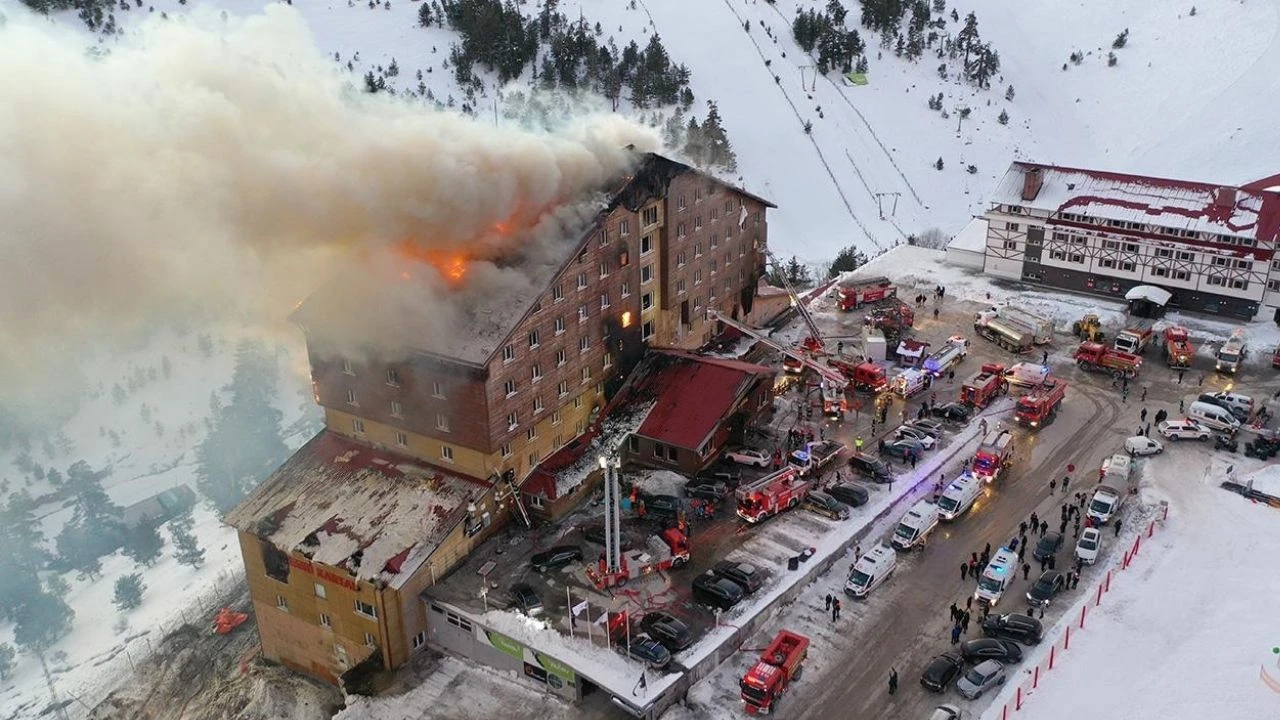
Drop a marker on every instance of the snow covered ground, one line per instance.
(865, 174)
(1191, 625)
(88, 661)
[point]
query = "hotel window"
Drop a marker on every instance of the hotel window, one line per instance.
(509, 354)
(533, 339)
(608, 360)
(347, 367)
(555, 418)
(697, 223)
(537, 404)
(1110, 244)
(583, 344)
(1077, 258)
(325, 620)
(357, 425)
(697, 276)
(646, 331)
(365, 609)
(582, 281)
(1239, 284)
(680, 286)
(393, 377)
(446, 453)
(420, 639)
(506, 450)
(537, 372)
(646, 301)
(680, 231)
(680, 259)
(697, 195)
(320, 591)
(509, 387)
(442, 422)
(1107, 263)
(714, 214)
(559, 324)
(560, 357)
(1010, 244)
(1126, 266)
(562, 388)
(728, 207)
(1163, 252)
(1057, 255)
(646, 274)
(513, 421)
(402, 439)
(623, 228)
(624, 258)
(282, 603)
(1180, 275)
(557, 293)
(370, 640)
(1160, 272)
(713, 266)
(649, 216)
(1013, 226)
(604, 268)
(351, 397)
(582, 312)
(626, 289)
(604, 237)
(604, 300)
(697, 250)
(533, 461)
(1131, 247)
(1185, 256)
(531, 433)
(680, 203)
(437, 390)
(1244, 265)
(646, 245)
(396, 409)
(713, 242)
(585, 374)
(577, 403)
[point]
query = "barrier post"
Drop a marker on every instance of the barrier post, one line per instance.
(1066, 643)
(1137, 545)
(1004, 714)
(1099, 600)
(1125, 564)
(1107, 586)
(1083, 609)
(1151, 529)
(1018, 701)
(1035, 680)
(1165, 514)
(1052, 650)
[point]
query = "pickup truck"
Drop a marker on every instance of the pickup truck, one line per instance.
(816, 456)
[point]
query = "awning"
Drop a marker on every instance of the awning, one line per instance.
(1150, 293)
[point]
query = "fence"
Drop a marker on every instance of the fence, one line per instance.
(1078, 620)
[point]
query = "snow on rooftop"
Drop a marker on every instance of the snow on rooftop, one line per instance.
(614, 430)
(335, 498)
(1113, 196)
(657, 482)
(972, 237)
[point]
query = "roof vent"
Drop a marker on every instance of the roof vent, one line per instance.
(1225, 197)
(1032, 180)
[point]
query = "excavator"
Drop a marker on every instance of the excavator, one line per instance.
(1088, 328)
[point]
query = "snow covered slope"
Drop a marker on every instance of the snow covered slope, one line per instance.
(1189, 95)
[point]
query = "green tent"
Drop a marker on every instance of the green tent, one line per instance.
(856, 78)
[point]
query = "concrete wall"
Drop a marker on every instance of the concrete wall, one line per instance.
(962, 257)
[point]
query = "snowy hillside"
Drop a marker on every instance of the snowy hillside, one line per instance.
(873, 148)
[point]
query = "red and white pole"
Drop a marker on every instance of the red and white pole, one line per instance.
(1004, 714)
(1066, 643)
(1035, 679)
(1018, 700)
(1165, 514)
(1107, 586)
(1124, 565)
(1151, 529)
(1099, 600)
(1052, 651)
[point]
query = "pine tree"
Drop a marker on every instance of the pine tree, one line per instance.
(1120, 40)
(1008, 94)
(938, 165)
(719, 153)
(1003, 119)
(40, 623)
(850, 258)
(424, 16)
(187, 550)
(128, 592)
(143, 543)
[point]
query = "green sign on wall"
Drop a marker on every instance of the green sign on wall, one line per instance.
(505, 644)
(555, 667)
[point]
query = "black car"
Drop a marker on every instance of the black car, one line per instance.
(942, 671)
(1049, 584)
(904, 448)
(526, 599)
(668, 630)
(1214, 399)
(871, 467)
(850, 494)
(717, 592)
(1006, 651)
(556, 557)
(1011, 626)
(745, 575)
(661, 506)
(952, 412)
(706, 489)
(595, 534)
(726, 474)
(646, 650)
(1048, 546)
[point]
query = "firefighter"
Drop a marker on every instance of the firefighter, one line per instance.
(857, 443)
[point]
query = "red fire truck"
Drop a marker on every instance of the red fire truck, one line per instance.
(1036, 407)
(1096, 357)
(868, 290)
(663, 552)
(864, 377)
(771, 494)
(1178, 349)
(983, 387)
(893, 319)
(994, 455)
(778, 667)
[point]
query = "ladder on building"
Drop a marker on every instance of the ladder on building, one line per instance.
(510, 477)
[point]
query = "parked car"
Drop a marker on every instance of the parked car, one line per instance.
(744, 575)
(595, 534)
(952, 412)
(1006, 651)
(1183, 430)
(526, 599)
(1012, 626)
(556, 557)
(1048, 546)
(750, 456)
(1142, 445)
(871, 467)
(851, 494)
(716, 592)
(947, 712)
(981, 678)
(905, 449)
(668, 630)
(1238, 405)
(661, 506)
(1088, 546)
(933, 427)
(706, 489)
(825, 505)
(728, 474)
(910, 432)
(647, 650)
(1049, 584)
(942, 671)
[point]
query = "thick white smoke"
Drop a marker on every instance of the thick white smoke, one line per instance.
(222, 163)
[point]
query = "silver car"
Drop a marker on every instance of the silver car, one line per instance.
(982, 677)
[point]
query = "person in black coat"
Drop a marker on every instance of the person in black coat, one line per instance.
(893, 681)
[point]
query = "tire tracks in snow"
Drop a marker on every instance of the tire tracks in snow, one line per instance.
(816, 147)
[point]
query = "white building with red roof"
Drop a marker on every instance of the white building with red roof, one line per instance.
(1211, 247)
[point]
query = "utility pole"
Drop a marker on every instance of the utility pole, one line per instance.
(59, 709)
(880, 203)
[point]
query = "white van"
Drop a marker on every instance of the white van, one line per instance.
(874, 567)
(914, 527)
(959, 496)
(1240, 404)
(997, 576)
(1214, 417)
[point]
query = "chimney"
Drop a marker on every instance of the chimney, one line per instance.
(1032, 179)
(1225, 198)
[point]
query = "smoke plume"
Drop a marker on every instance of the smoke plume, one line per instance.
(224, 163)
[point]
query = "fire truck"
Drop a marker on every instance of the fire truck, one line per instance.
(994, 455)
(1038, 406)
(1096, 357)
(771, 494)
(662, 552)
(815, 456)
(947, 357)
(772, 675)
(1135, 338)
(1178, 349)
(984, 386)
(893, 320)
(865, 377)
(910, 382)
(867, 290)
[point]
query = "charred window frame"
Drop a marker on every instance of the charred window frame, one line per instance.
(275, 562)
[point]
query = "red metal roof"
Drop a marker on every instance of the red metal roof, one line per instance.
(694, 394)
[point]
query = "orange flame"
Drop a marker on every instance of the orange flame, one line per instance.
(450, 264)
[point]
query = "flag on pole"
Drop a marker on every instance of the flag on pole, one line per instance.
(579, 608)
(573, 622)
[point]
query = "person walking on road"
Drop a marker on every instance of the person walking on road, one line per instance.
(955, 613)
(835, 609)
(1117, 527)
(1044, 527)
(1026, 571)
(1181, 406)
(828, 605)
(1053, 486)
(1065, 480)
(964, 571)
(1142, 416)
(955, 634)
(1022, 528)
(964, 622)
(1144, 394)
(893, 681)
